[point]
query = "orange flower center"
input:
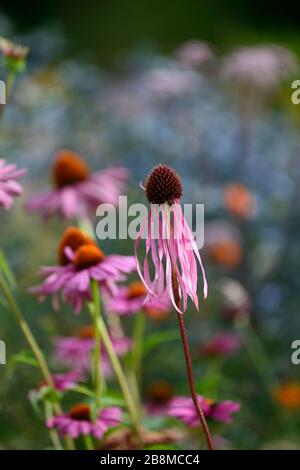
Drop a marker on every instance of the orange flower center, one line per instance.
(85, 332)
(81, 412)
(136, 289)
(87, 256)
(74, 238)
(160, 393)
(69, 169)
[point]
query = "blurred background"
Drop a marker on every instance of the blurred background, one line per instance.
(206, 88)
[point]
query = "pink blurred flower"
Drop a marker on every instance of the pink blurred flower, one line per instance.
(159, 396)
(169, 82)
(78, 421)
(195, 54)
(75, 351)
(223, 411)
(9, 186)
(222, 344)
(11, 50)
(183, 409)
(174, 251)
(132, 299)
(77, 191)
(81, 264)
(63, 381)
(262, 67)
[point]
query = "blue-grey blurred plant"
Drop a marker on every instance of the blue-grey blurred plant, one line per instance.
(237, 151)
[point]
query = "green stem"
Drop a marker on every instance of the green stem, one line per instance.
(88, 442)
(97, 349)
(53, 433)
(137, 351)
(119, 374)
(135, 371)
(257, 353)
(26, 331)
(260, 360)
(9, 83)
(14, 308)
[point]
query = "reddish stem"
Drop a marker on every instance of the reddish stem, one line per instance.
(189, 367)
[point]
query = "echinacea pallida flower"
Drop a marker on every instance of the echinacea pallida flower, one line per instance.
(223, 344)
(9, 186)
(80, 262)
(77, 421)
(76, 190)
(183, 409)
(131, 299)
(172, 247)
(75, 351)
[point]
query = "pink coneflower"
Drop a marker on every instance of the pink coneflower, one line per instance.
(223, 411)
(174, 244)
(221, 345)
(80, 262)
(76, 190)
(132, 299)
(195, 54)
(183, 409)
(75, 351)
(159, 396)
(9, 186)
(62, 382)
(78, 421)
(174, 253)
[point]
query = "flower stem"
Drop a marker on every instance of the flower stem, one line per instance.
(26, 331)
(14, 308)
(88, 442)
(53, 433)
(119, 373)
(97, 349)
(189, 366)
(137, 351)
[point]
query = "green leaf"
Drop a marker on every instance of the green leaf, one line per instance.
(6, 271)
(24, 357)
(154, 340)
(82, 390)
(112, 401)
(50, 394)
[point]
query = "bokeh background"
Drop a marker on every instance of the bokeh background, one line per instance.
(105, 79)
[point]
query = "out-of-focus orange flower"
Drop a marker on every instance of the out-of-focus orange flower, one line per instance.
(239, 201)
(288, 395)
(156, 314)
(226, 252)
